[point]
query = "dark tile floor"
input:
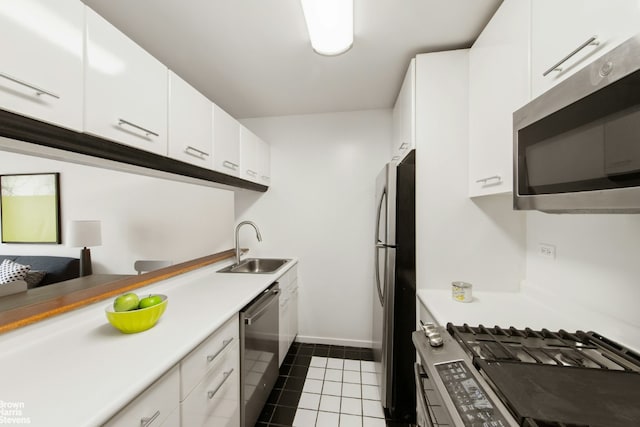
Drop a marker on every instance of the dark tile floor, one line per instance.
(310, 364)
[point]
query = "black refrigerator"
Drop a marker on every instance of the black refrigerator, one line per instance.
(394, 288)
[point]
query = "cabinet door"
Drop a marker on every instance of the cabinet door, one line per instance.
(226, 142)
(293, 311)
(215, 402)
(42, 55)
(125, 89)
(561, 27)
(498, 85)
(404, 115)
(153, 406)
(190, 124)
(283, 325)
(249, 143)
(264, 162)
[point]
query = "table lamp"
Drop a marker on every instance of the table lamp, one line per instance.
(82, 234)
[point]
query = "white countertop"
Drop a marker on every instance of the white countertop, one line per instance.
(529, 307)
(77, 370)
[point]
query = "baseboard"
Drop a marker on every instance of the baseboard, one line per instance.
(333, 341)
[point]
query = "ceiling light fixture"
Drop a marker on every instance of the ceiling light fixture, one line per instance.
(330, 25)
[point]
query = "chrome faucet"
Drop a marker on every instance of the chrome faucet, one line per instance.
(238, 235)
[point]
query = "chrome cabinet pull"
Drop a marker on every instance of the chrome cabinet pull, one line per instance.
(395, 157)
(147, 132)
(486, 181)
(144, 422)
(404, 146)
(38, 90)
(593, 41)
(192, 151)
(252, 173)
(225, 377)
(225, 343)
(230, 165)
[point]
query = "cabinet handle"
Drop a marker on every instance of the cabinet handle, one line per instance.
(230, 165)
(395, 157)
(38, 90)
(192, 151)
(144, 422)
(252, 173)
(225, 377)
(593, 41)
(485, 181)
(147, 132)
(404, 146)
(225, 343)
(266, 178)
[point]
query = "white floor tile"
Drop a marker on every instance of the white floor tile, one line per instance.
(312, 386)
(305, 418)
(372, 408)
(327, 419)
(351, 377)
(371, 392)
(330, 403)
(316, 373)
(332, 388)
(334, 363)
(351, 406)
(373, 422)
(309, 401)
(350, 420)
(352, 365)
(318, 362)
(367, 366)
(369, 378)
(351, 390)
(333, 375)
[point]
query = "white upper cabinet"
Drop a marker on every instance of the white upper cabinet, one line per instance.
(498, 85)
(190, 124)
(125, 89)
(42, 55)
(264, 163)
(226, 142)
(560, 28)
(404, 116)
(249, 164)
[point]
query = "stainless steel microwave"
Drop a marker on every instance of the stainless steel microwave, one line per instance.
(577, 146)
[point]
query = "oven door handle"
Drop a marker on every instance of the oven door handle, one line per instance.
(422, 395)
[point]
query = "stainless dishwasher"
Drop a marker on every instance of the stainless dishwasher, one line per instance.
(258, 353)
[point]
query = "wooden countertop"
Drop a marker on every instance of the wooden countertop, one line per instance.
(41, 303)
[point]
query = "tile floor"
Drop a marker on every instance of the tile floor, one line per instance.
(325, 386)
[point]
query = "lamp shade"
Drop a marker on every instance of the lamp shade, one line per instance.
(330, 25)
(84, 233)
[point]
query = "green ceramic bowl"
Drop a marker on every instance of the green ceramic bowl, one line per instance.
(133, 321)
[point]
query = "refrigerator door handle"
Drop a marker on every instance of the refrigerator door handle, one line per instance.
(380, 245)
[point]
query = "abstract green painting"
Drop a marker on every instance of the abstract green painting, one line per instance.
(30, 208)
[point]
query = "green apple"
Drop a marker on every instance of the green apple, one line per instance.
(126, 302)
(150, 301)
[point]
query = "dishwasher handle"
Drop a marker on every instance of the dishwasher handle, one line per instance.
(251, 315)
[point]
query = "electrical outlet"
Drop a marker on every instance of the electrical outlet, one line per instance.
(547, 251)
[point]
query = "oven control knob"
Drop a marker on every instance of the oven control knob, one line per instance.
(429, 328)
(435, 339)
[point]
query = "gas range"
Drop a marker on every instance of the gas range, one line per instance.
(480, 376)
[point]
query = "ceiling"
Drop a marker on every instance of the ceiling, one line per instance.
(253, 57)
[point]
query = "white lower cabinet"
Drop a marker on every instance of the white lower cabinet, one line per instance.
(288, 314)
(156, 406)
(210, 381)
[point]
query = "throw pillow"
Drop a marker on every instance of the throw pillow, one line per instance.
(34, 277)
(11, 271)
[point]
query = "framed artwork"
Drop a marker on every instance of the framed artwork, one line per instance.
(30, 208)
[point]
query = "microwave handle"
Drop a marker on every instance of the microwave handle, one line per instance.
(593, 41)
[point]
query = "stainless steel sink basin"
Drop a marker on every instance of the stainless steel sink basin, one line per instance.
(255, 266)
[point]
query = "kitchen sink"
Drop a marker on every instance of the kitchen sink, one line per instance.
(256, 266)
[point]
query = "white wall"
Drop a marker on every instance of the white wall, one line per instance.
(596, 268)
(320, 208)
(480, 241)
(142, 217)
